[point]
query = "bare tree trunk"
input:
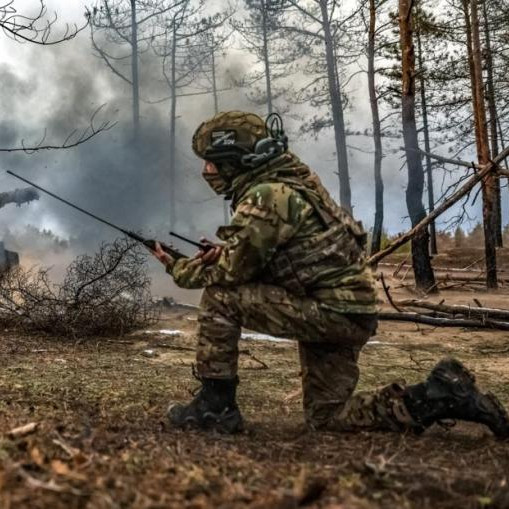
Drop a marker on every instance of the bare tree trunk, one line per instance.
(226, 213)
(492, 106)
(488, 189)
(134, 70)
(214, 79)
(173, 120)
(424, 277)
(376, 241)
(427, 145)
(345, 194)
(502, 142)
(266, 57)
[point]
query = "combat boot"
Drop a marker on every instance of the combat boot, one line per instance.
(450, 392)
(213, 409)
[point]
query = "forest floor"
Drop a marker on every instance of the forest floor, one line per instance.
(102, 440)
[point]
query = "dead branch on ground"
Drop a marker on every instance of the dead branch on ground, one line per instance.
(455, 310)
(440, 321)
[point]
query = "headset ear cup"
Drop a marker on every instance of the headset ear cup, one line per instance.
(270, 147)
(264, 146)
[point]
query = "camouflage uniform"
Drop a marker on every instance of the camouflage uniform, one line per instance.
(293, 265)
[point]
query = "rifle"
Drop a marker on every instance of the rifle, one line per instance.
(151, 244)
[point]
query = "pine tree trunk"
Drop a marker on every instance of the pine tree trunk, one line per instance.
(134, 71)
(266, 61)
(173, 120)
(214, 79)
(226, 214)
(376, 241)
(424, 277)
(345, 194)
(482, 142)
(502, 141)
(492, 106)
(427, 146)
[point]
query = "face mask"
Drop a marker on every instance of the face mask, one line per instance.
(216, 182)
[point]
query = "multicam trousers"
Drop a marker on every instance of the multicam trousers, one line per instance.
(329, 346)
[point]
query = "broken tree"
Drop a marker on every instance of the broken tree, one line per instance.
(465, 189)
(424, 277)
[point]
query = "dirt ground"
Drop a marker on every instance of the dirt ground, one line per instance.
(102, 440)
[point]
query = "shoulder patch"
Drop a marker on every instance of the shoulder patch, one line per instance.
(278, 198)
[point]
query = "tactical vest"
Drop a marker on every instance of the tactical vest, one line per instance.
(301, 265)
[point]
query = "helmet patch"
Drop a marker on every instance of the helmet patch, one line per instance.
(223, 138)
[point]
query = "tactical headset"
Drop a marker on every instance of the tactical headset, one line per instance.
(224, 148)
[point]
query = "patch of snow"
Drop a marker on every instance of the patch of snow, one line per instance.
(166, 332)
(169, 332)
(149, 353)
(262, 337)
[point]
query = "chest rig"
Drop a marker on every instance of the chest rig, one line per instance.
(309, 263)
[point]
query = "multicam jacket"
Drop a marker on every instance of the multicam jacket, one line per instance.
(287, 231)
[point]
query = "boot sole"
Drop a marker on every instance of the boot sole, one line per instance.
(495, 406)
(452, 374)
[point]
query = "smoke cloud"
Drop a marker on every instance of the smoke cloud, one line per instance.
(57, 89)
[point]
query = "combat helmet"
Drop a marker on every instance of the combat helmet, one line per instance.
(237, 141)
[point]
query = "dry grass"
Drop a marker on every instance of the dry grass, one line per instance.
(103, 441)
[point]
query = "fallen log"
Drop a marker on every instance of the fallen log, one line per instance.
(445, 205)
(475, 278)
(439, 269)
(469, 311)
(443, 322)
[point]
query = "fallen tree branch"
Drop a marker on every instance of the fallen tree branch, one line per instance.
(443, 322)
(23, 431)
(448, 160)
(254, 358)
(387, 293)
(445, 205)
(469, 311)
(475, 278)
(467, 270)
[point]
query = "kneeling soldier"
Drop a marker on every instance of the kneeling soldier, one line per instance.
(292, 264)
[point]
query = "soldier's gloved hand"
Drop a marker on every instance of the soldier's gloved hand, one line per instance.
(210, 256)
(166, 259)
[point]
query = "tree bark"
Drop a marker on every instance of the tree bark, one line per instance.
(173, 120)
(134, 71)
(424, 277)
(214, 79)
(376, 240)
(443, 322)
(345, 194)
(492, 107)
(427, 145)
(268, 82)
(468, 311)
(226, 214)
(482, 142)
